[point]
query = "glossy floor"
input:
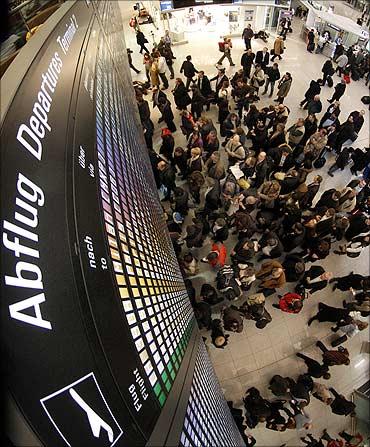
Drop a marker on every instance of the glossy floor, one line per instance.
(254, 356)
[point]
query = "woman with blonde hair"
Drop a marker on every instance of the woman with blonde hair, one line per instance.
(154, 73)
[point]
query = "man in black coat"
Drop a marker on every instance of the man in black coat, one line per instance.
(339, 90)
(313, 90)
(327, 70)
(358, 223)
(247, 36)
(358, 119)
(204, 87)
(219, 78)
(329, 199)
(294, 267)
(167, 176)
(261, 169)
(273, 75)
(189, 71)
(346, 132)
(156, 97)
(167, 114)
(263, 58)
(247, 62)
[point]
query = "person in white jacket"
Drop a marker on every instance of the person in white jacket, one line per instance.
(162, 68)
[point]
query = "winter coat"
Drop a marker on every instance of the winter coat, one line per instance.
(295, 134)
(231, 316)
(278, 46)
(314, 107)
(284, 87)
(257, 77)
(313, 90)
(315, 144)
(181, 96)
(287, 301)
(204, 86)
(188, 69)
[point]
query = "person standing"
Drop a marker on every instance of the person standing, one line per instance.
(220, 78)
(168, 55)
(284, 87)
(148, 126)
(314, 106)
(247, 36)
(295, 133)
(339, 90)
(154, 73)
(258, 78)
(147, 62)
(165, 108)
(189, 71)
(204, 87)
(247, 62)
(278, 49)
(141, 41)
(314, 89)
(273, 75)
(167, 176)
(180, 94)
(342, 61)
(157, 94)
(311, 40)
(328, 71)
(263, 57)
(129, 52)
(227, 45)
(162, 68)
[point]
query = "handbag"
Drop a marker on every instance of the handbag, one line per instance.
(272, 52)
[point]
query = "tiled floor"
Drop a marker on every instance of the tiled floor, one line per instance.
(254, 356)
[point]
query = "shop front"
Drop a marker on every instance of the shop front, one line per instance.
(226, 19)
(337, 28)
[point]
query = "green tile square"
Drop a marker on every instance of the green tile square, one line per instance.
(173, 375)
(157, 389)
(162, 399)
(168, 385)
(164, 376)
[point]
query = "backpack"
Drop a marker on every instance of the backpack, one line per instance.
(221, 47)
(255, 298)
(320, 162)
(347, 78)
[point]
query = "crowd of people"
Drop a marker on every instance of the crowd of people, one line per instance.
(245, 178)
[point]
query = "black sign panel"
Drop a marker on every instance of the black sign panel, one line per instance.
(48, 332)
(96, 319)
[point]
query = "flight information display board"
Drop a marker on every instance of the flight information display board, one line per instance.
(208, 420)
(96, 318)
(95, 321)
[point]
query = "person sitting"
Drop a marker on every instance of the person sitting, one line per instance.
(209, 294)
(218, 336)
(217, 257)
(290, 302)
(232, 319)
(315, 279)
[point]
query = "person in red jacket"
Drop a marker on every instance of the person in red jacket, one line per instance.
(290, 302)
(217, 256)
